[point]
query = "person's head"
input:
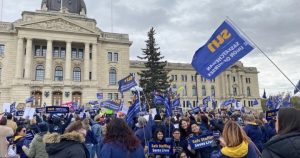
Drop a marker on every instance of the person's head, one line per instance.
(157, 118)
(33, 121)
(233, 134)
(176, 134)
(141, 122)
(43, 127)
(184, 123)
(76, 126)
(118, 130)
(9, 116)
(159, 135)
(3, 121)
(195, 128)
(182, 154)
(249, 118)
(21, 131)
(288, 120)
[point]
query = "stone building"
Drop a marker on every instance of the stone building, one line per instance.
(60, 55)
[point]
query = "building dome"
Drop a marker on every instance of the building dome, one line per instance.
(71, 6)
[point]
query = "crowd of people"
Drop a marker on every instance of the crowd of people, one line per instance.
(236, 135)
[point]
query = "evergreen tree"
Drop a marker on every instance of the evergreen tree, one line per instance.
(155, 76)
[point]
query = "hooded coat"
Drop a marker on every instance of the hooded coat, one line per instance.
(37, 148)
(283, 146)
(254, 132)
(4, 132)
(68, 145)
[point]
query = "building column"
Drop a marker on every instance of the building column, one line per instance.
(68, 61)
(86, 61)
(94, 60)
(20, 52)
(28, 58)
(49, 60)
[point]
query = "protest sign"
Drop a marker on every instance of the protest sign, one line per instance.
(6, 107)
(111, 104)
(160, 148)
(20, 113)
(57, 109)
(29, 112)
(99, 95)
(40, 110)
(201, 141)
(271, 113)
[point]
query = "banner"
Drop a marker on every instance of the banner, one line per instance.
(20, 113)
(126, 83)
(160, 148)
(196, 110)
(271, 113)
(40, 110)
(224, 48)
(57, 109)
(29, 112)
(201, 141)
(111, 104)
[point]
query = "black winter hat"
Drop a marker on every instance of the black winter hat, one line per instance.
(43, 127)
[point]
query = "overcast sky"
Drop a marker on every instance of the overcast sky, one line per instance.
(183, 26)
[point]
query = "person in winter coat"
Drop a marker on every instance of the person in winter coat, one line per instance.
(142, 132)
(11, 123)
(253, 131)
(37, 146)
(19, 140)
(67, 145)
(97, 131)
(286, 144)
(4, 132)
(120, 141)
(179, 144)
(185, 128)
(158, 137)
(236, 143)
(90, 139)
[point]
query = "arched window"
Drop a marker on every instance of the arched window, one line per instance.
(39, 73)
(76, 74)
(58, 76)
(213, 91)
(203, 91)
(112, 77)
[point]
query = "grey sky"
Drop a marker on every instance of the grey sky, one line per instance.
(182, 26)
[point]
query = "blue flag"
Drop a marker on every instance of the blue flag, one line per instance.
(254, 102)
(133, 110)
(206, 100)
(158, 99)
(111, 104)
(29, 100)
(127, 83)
(286, 101)
(297, 88)
(224, 48)
(229, 101)
(176, 102)
(270, 104)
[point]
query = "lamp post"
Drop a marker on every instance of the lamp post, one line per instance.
(197, 99)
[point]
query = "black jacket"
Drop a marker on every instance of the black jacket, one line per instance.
(68, 145)
(283, 146)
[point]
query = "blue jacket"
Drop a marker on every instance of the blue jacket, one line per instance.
(255, 133)
(116, 150)
(142, 134)
(268, 132)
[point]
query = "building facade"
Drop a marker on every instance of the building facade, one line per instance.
(237, 82)
(58, 56)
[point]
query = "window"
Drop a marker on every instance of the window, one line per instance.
(39, 73)
(58, 76)
(62, 52)
(112, 77)
(80, 53)
(192, 78)
(203, 79)
(74, 53)
(182, 78)
(249, 103)
(56, 52)
(76, 74)
(248, 80)
(110, 96)
(44, 50)
(40, 50)
(172, 78)
(185, 78)
(183, 104)
(194, 103)
(116, 57)
(175, 77)
(59, 52)
(233, 78)
(91, 56)
(203, 91)
(2, 48)
(90, 76)
(109, 56)
(77, 53)
(213, 91)
(248, 91)
(194, 91)
(0, 73)
(234, 91)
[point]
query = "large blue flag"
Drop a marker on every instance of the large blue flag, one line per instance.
(158, 99)
(127, 83)
(176, 102)
(254, 102)
(270, 104)
(133, 110)
(224, 48)
(206, 100)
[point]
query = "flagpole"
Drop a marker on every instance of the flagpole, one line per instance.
(262, 52)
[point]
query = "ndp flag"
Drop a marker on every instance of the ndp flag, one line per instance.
(224, 48)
